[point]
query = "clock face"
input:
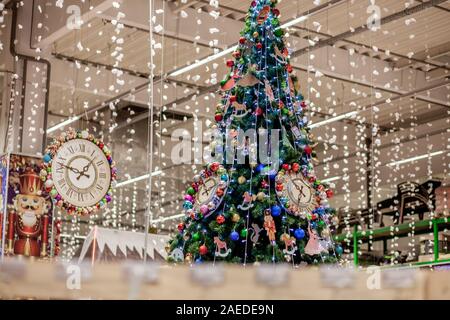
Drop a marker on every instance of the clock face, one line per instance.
(81, 173)
(297, 195)
(206, 191)
(300, 192)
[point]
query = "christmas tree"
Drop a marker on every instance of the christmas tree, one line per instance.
(261, 201)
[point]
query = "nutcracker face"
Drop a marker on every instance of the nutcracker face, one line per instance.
(29, 208)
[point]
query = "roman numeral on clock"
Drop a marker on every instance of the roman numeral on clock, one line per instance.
(82, 148)
(71, 149)
(81, 197)
(102, 175)
(69, 193)
(99, 187)
(62, 183)
(99, 163)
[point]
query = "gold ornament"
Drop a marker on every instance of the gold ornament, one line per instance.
(241, 180)
(260, 196)
(236, 218)
(188, 258)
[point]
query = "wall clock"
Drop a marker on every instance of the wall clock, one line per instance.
(78, 172)
(206, 192)
(295, 193)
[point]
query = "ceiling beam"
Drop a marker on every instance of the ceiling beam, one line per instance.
(363, 28)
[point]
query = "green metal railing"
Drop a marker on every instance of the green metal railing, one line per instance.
(402, 230)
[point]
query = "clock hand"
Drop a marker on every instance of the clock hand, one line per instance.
(85, 168)
(74, 170)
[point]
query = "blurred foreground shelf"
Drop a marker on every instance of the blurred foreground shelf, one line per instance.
(45, 280)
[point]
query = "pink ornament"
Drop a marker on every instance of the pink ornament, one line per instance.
(204, 209)
(189, 198)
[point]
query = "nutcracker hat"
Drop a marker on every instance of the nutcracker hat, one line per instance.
(30, 183)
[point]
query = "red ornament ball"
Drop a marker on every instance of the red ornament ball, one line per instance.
(220, 219)
(308, 150)
(329, 193)
(259, 45)
(218, 117)
(279, 187)
(289, 68)
(230, 63)
(242, 40)
(233, 99)
(276, 12)
(181, 227)
(286, 167)
(214, 166)
(203, 250)
(295, 167)
(258, 111)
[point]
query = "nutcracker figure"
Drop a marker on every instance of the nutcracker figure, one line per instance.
(28, 219)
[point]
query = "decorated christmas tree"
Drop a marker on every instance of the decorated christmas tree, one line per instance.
(259, 200)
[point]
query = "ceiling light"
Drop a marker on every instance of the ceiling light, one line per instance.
(137, 179)
(331, 179)
(177, 216)
(63, 124)
(424, 156)
(334, 119)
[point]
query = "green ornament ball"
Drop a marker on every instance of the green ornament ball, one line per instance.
(244, 233)
(190, 191)
(196, 236)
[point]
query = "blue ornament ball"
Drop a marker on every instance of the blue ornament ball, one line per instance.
(339, 250)
(276, 211)
(299, 233)
(234, 236)
(260, 168)
(47, 158)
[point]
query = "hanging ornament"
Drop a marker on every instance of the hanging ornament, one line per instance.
(221, 248)
(242, 180)
(299, 233)
(234, 236)
(276, 211)
(249, 80)
(236, 217)
(256, 230)
(247, 203)
(177, 255)
(263, 14)
(203, 250)
(220, 219)
(289, 243)
(313, 247)
(269, 226)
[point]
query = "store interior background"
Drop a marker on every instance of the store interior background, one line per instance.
(395, 79)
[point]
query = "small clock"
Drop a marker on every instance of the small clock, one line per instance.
(206, 192)
(296, 193)
(78, 172)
